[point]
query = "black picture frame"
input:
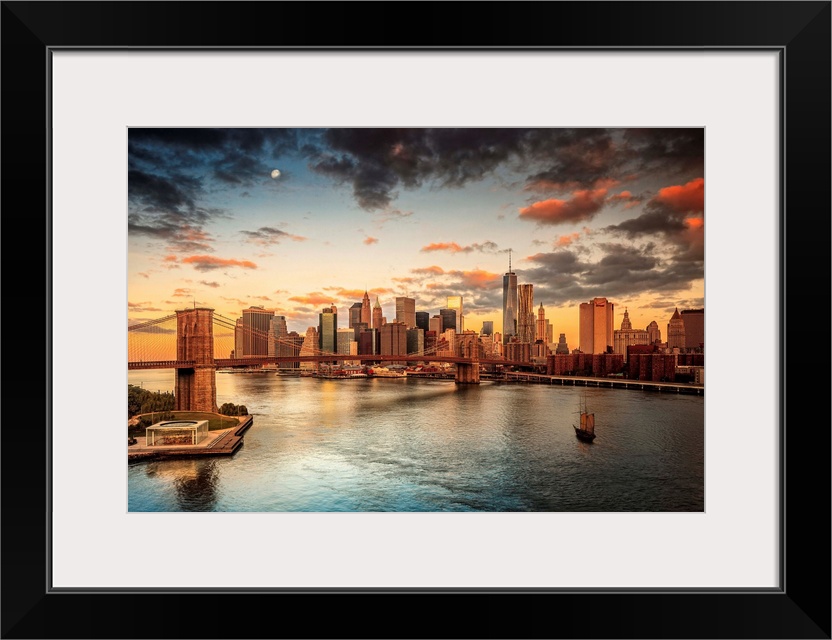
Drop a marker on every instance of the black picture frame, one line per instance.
(799, 31)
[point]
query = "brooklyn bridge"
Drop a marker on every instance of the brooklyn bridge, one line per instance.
(190, 340)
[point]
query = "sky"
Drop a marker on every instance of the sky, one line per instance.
(422, 213)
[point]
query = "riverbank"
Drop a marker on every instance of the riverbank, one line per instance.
(514, 377)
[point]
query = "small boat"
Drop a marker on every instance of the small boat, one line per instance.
(586, 432)
(384, 372)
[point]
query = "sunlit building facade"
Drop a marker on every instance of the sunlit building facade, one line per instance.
(509, 304)
(366, 313)
(455, 303)
(327, 331)
(406, 311)
(277, 332)
(676, 331)
(596, 325)
(525, 313)
(378, 319)
(627, 336)
(255, 327)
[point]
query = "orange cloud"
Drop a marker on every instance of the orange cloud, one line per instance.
(207, 263)
(683, 198)
(453, 247)
(316, 298)
(583, 205)
(346, 293)
(695, 223)
(565, 241)
(170, 258)
(370, 240)
(477, 278)
(432, 270)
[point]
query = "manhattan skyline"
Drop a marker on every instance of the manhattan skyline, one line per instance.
(421, 213)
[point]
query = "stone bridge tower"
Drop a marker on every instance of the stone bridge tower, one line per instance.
(196, 388)
(468, 373)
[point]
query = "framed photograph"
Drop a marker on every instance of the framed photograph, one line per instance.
(119, 118)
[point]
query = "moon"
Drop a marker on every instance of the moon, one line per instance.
(276, 173)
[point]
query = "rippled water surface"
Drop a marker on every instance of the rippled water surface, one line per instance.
(423, 446)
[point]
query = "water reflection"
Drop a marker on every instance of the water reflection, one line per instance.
(419, 445)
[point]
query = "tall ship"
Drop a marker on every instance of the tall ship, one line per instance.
(586, 432)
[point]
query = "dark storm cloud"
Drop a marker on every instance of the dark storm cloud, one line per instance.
(170, 171)
(377, 161)
(674, 150)
(561, 261)
(675, 213)
(166, 208)
(622, 271)
(579, 158)
(621, 262)
(269, 235)
(655, 220)
(157, 193)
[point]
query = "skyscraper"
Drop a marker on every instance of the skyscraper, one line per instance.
(255, 338)
(488, 327)
(509, 303)
(345, 337)
(694, 320)
(627, 336)
(596, 325)
(277, 332)
(525, 313)
(406, 311)
(290, 346)
(328, 331)
(366, 316)
(377, 315)
(448, 319)
(415, 341)
(455, 303)
(368, 342)
(654, 334)
(394, 339)
(541, 323)
(309, 347)
(562, 346)
(423, 320)
(355, 315)
(436, 324)
(676, 331)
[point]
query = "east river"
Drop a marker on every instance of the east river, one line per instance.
(431, 445)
